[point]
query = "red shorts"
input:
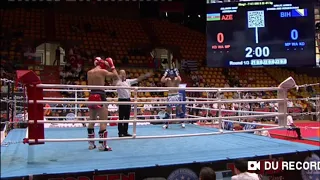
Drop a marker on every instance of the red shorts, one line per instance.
(97, 95)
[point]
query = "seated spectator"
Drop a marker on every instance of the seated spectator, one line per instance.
(289, 104)
(114, 117)
(207, 173)
(147, 107)
(293, 127)
(59, 109)
(241, 168)
(112, 108)
(262, 133)
(154, 115)
(228, 126)
(276, 120)
(47, 110)
(81, 118)
(56, 117)
(141, 116)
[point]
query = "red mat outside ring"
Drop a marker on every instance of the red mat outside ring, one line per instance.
(307, 133)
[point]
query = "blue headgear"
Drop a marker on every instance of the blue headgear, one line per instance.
(171, 73)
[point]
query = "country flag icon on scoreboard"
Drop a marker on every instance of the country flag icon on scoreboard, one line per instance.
(213, 17)
(299, 12)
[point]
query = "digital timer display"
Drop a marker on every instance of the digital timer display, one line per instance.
(261, 33)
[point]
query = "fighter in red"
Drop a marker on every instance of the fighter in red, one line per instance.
(96, 77)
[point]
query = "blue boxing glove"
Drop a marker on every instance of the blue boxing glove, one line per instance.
(166, 73)
(176, 71)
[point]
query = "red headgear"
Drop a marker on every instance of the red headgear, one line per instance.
(100, 62)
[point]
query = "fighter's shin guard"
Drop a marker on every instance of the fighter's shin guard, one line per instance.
(91, 135)
(167, 116)
(181, 116)
(103, 144)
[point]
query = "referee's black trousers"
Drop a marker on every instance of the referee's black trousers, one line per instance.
(124, 114)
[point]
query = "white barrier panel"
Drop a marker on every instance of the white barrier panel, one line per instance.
(64, 125)
(2, 136)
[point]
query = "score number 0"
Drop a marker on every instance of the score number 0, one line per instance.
(265, 51)
(220, 37)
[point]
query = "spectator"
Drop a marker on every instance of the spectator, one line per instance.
(289, 104)
(293, 127)
(81, 118)
(57, 59)
(241, 168)
(147, 107)
(262, 133)
(207, 173)
(113, 108)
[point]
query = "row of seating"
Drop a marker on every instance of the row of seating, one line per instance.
(96, 33)
(282, 74)
(29, 22)
(115, 35)
(259, 77)
(192, 44)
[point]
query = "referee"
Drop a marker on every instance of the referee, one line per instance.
(124, 95)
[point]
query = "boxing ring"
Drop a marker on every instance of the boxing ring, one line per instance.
(152, 152)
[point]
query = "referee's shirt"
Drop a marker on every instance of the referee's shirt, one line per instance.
(125, 93)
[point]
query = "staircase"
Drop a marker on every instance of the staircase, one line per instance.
(147, 27)
(50, 75)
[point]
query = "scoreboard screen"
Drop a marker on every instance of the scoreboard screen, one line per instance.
(260, 33)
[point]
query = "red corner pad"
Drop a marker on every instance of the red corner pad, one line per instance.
(25, 141)
(27, 77)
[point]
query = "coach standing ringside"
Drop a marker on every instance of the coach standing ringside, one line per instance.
(124, 95)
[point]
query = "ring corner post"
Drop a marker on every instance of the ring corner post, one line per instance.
(35, 110)
(220, 113)
(182, 94)
(282, 106)
(135, 112)
(318, 108)
(282, 94)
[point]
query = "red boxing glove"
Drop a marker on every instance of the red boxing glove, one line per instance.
(97, 61)
(102, 63)
(110, 62)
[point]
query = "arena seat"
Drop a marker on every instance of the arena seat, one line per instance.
(192, 44)
(282, 74)
(113, 35)
(253, 77)
(24, 24)
(29, 22)
(212, 76)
